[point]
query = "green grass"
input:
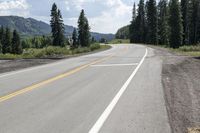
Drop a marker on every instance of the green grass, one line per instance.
(119, 41)
(53, 52)
(188, 50)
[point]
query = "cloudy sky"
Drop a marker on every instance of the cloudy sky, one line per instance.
(104, 16)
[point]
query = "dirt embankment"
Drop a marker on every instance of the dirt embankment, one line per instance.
(181, 83)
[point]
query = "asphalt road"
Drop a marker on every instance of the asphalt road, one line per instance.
(115, 91)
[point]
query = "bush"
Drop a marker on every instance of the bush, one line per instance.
(95, 46)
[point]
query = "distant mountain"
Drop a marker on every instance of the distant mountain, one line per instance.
(32, 27)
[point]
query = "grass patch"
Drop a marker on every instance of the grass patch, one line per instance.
(54, 52)
(188, 50)
(119, 41)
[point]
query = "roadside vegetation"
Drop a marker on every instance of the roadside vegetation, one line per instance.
(174, 25)
(56, 44)
(119, 41)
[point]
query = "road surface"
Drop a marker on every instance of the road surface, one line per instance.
(114, 91)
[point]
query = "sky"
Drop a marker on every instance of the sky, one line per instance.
(105, 16)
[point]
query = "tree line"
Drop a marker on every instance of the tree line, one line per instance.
(10, 41)
(170, 23)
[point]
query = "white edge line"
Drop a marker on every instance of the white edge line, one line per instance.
(109, 65)
(99, 123)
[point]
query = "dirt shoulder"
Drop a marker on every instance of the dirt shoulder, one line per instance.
(181, 83)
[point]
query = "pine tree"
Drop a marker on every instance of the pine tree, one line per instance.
(132, 25)
(152, 35)
(61, 38)
(83, 30)
(16, 44)
(163, 26)
(74, 38)
(193, 28)
(6, 46)
(140, 27)
(57, 26)
(1, 37)
(176, 28)
(185, 17)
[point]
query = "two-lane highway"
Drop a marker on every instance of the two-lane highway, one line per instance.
(115, 91)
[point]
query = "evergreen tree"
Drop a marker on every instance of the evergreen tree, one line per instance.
(193, 28)
(185, 17)
(132, 25)
(16, 44)
(1, 37)
(57, 26)
(74, 38)
(176, 27)
(163, 26)
(83, 30)
(6, 46)
(140, 27)
(61, 37)
(152, 36)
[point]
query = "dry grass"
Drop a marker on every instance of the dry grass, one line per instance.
(194, 130)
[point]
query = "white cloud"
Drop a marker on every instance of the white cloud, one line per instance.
(78, 4)
(118, 15)
(14, 7)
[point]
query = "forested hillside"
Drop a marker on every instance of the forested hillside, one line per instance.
(123, 33)
(33, 27)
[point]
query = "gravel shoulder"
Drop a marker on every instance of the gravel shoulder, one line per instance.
(181, 83)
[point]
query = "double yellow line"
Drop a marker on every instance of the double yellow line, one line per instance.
(30, 88)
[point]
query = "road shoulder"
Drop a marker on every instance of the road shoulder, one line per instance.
(180, 78)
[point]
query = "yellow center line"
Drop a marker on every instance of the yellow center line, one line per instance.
(30, 88)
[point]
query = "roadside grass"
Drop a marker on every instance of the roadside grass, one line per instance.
(54, 52)
(119, 41)
(188, 50)
(183, 50)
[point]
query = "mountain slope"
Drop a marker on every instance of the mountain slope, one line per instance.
(32, 27)
(123, 33)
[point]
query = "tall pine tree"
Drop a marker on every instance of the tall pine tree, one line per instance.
(83, 30)
(57, 26)
(132, 26)
(74, 38)
(163, 25)
(140, 35)
(16, 44)
(6, 46)
(193, 26)
(1, 37)
(176, 27)
(152, 22)
(185, 17)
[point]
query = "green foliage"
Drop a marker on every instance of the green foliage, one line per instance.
(152, 28)
(57, 27)
(119, 41)
(83, 30)
(53, 51)
(140, 24)
(163, 25)
(176, 28)
(75, 39)
(6, 45)
(16, 44)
